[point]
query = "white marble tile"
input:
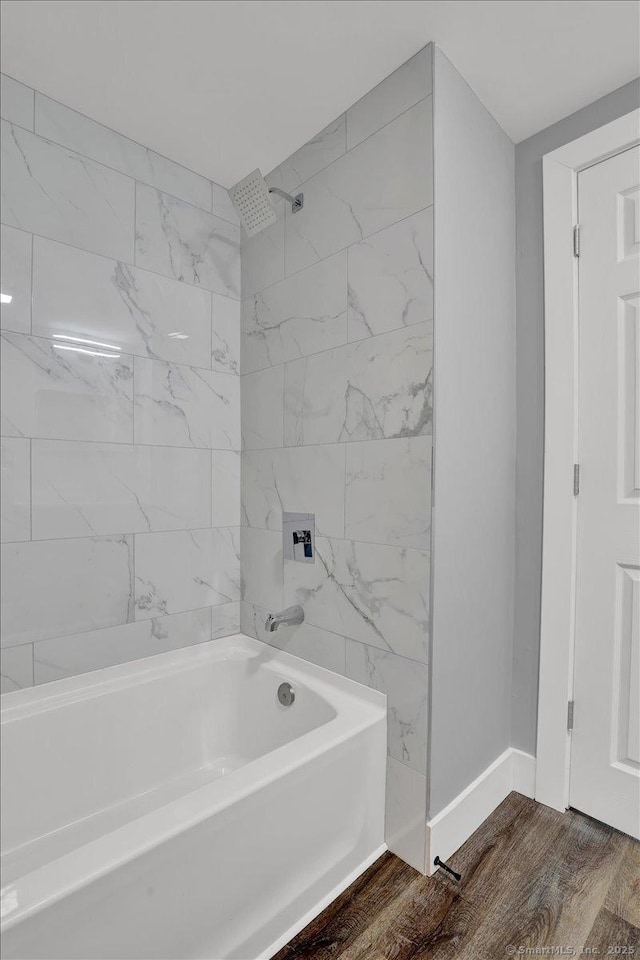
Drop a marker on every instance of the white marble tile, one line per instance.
(65, 126)
(305, 641)
(263, 255)
(262, 410)
(314, 156)
(52, 393)
(382, 180)
(225, 334)
(396, 93)
(16, 102)
(52, 588)
(262, 568)
(186, 406)
(406, 813)
(87, 489)
(83, 652)
(184, 570)
(298, 480)
(16, 279)
(226, 619)
(181, 241)
(56, 193)
(303, 314)
(374, 388)
(391, 277)
(82, 295)
(388, 492)
(222, 205)
(405, 684)
(376, 594)
(225, 488)
(15, 489)
(16, 668)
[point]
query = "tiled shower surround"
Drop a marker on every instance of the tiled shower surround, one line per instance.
(120, 398)
(337, 329)
(123, 510)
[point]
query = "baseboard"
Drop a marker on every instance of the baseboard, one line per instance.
(448, 830)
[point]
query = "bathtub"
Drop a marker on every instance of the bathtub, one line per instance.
(172, 807)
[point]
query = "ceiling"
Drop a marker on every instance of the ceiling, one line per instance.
(223, 86)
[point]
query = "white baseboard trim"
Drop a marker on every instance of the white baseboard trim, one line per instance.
(448, 830)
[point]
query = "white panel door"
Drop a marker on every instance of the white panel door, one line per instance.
(605, 747)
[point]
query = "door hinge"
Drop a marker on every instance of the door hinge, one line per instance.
(576, 479)
(576, 240)
(570, 707)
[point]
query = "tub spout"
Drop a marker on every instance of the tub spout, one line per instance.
(291, 616)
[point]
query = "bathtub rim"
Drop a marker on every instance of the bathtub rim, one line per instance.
(357, 708)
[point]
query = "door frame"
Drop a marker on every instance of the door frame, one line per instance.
(560, 170)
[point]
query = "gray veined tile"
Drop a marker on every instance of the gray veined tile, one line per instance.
(86, 489)
(51, 392)
(382, 180)
(15, 274)
(406, 813)
(16, 102)
(262, 411)
(225, 488)
(396, 93)
(263, 255)
(65, 126)
(262, 568)
(80, 294)
(304, 314)
(391, 277)
(15, 489)
(225, 334)
(222, 205)
(376, 594)
(405, 684)
(52, 191)
(181, 241)
(52, 588)
(16, 668)
(226, 619)
(295, 479)
(186, 407)
(305, 641)
(314, 156)
(83, 652)
(388, 492)
(184, 570)
(367, 390)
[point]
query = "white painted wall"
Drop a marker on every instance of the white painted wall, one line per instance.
(474, 438)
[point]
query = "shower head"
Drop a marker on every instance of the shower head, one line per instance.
(251, 198)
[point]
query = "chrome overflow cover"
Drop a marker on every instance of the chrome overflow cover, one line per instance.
(286, 694)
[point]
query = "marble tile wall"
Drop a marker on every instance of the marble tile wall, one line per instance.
(336, 349)
(120, 398)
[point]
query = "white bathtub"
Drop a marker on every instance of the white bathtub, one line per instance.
(172, 807)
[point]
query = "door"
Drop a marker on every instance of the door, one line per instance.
(605, 744)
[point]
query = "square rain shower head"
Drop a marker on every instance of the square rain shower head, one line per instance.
(251, 199)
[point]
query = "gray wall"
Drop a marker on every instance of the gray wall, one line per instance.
(530, 395)
(474, 438)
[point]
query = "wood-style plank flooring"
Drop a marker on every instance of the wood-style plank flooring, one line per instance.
(531, 878)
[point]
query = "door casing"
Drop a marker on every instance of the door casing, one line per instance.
(557, 622)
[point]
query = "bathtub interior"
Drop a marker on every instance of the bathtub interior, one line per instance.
(127, 741)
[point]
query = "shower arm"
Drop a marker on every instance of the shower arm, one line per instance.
(296, 202)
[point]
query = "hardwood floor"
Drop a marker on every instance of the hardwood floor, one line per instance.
(531, 878)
